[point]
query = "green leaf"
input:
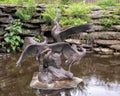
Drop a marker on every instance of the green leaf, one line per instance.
(7, 39)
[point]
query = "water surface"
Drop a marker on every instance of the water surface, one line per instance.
(100, 74)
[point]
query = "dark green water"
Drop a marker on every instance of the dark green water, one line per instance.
(101, 77)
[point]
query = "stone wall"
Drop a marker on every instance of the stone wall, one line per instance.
(105, 42)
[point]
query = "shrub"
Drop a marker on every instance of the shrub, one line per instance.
(74, 15)
(109, 21)
(49, 14)
(25, 13)
(12, 38)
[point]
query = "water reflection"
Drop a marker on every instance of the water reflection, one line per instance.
(101, 76)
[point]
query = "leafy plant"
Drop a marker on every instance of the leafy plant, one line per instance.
(106, 23)
(25, 13)
(105, 3)
(12, 38)
(49, 15)
(75, 14)
(109, 21)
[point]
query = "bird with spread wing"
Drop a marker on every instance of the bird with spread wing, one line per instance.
(59, 35)
(71, 54)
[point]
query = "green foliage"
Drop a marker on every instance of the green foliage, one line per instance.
(105, 3)
(66, 2)
(109, 21)
(37, 38)
(116, 11)
(106, 23)
(49, 14)
(12, 38)
(25, 13)
(8, 1)
(74, 15)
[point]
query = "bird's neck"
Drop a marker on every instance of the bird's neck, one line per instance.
(45, 40)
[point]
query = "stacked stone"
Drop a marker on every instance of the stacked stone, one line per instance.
(30, 28)
(7, 15)
(105, 42)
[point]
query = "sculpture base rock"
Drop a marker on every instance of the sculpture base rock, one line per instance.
(56, 85)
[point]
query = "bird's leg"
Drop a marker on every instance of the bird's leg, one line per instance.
(69, 67)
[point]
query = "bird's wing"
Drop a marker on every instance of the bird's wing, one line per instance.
(28, 41)
(29, 50)
(74, 30)
(62, 47)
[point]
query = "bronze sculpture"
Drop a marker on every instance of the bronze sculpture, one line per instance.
(51, 70)
(59, 35)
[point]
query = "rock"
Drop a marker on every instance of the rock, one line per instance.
(5, 20)
(56, 85)
(96, 8)
(30, 26)
(104, 51)
(36, 21)
(2, 32)
(4, 25)
(8, 8)
(106, 35)
(2, 50)
(96, 14)
(111, 8)
(96, 28)
(39, 10)
(116, 53)
(73, 41)
(116, 47)
(36, 15)
(116, 27)
(96, 21)
(7, 5)
(32, 32)
(41, 6)
(107, 42)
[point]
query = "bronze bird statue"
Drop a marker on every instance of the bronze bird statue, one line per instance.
(59, 35)
(75, 56)
(71, 54)
(51, 59)
(28, 44)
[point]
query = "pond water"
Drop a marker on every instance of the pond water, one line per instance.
(100, 74)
